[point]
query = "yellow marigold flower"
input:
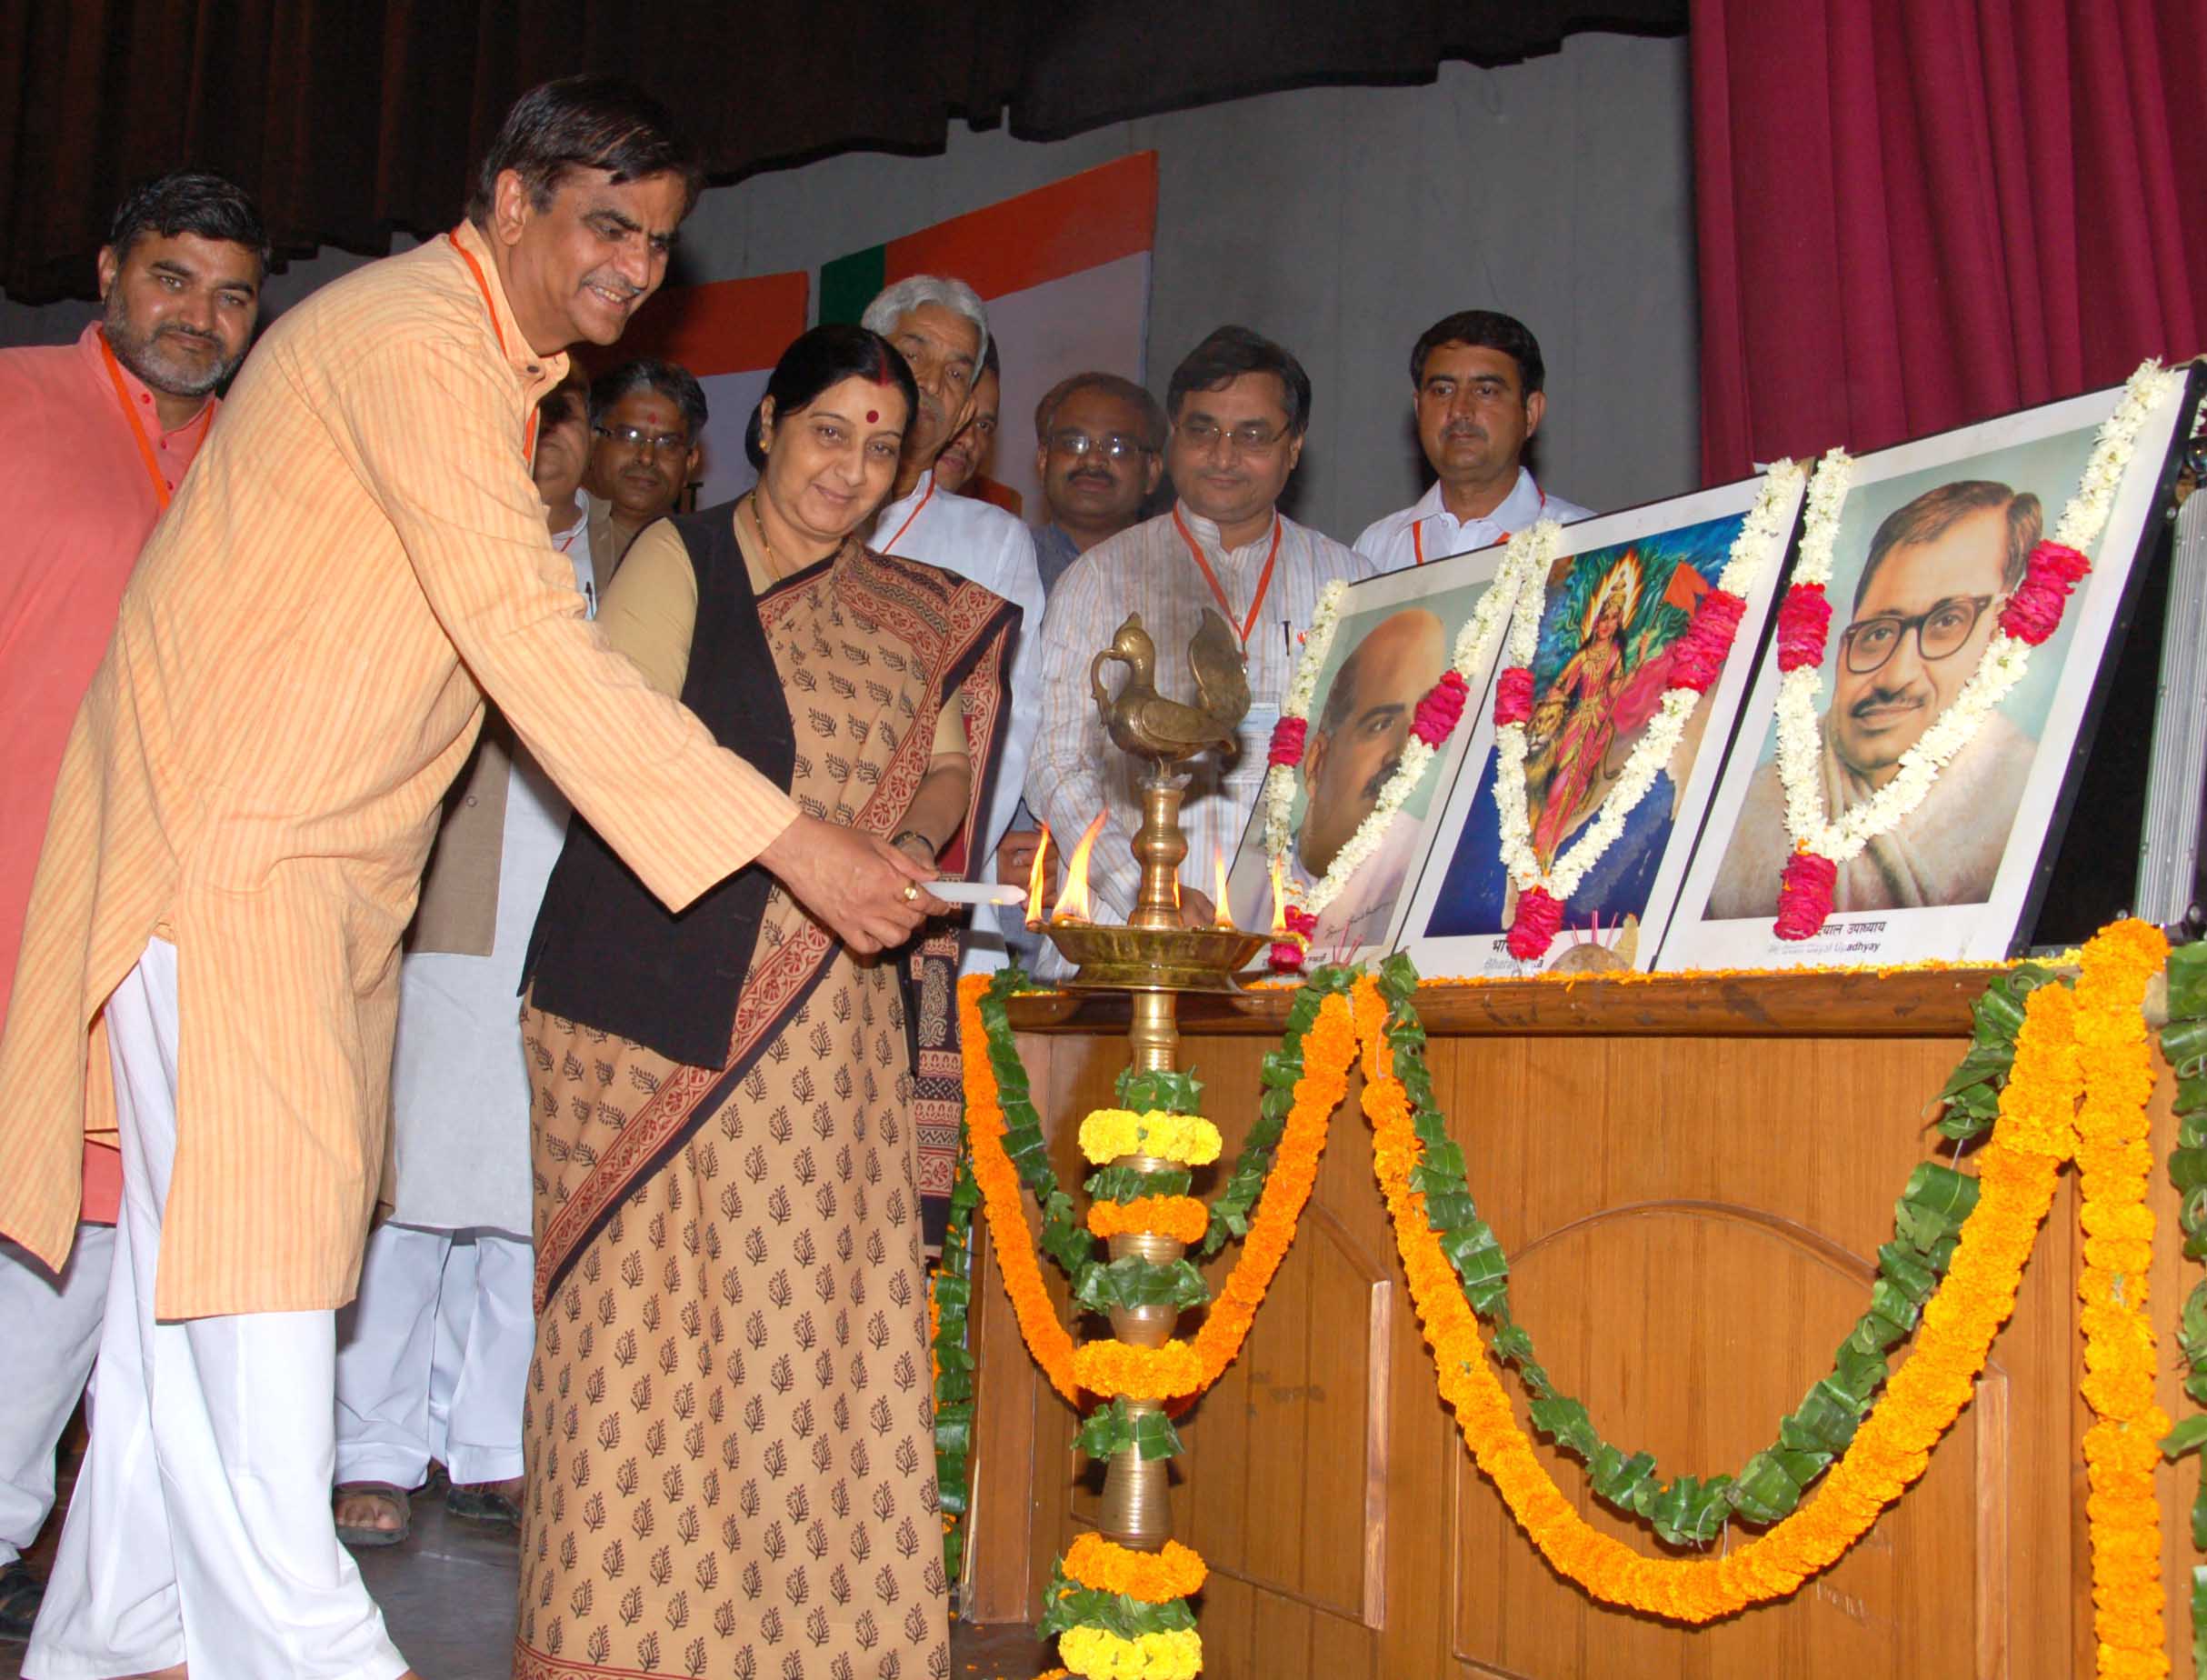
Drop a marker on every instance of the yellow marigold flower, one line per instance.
(1109, 1133)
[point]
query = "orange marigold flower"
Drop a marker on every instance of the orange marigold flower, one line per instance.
(1153, 1578)
(1180, 1217)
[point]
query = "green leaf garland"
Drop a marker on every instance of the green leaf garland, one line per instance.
(2183, 1042)
(1111, 1429)
(1136, 1282)
(1068, 1605)
(1692, 1510)
(1230, 1210)
(1063, 1238)
(952, 1287)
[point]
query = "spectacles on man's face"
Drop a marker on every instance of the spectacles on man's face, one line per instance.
(643, 442)
(1940, 631)
(1250, 438)
(1118, 446)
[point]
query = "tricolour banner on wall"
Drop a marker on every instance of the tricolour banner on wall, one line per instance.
(1065, 273)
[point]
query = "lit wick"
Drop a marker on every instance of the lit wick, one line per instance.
(1224, 915)
(1036, 875)
(1279, 900)
(1073, 903)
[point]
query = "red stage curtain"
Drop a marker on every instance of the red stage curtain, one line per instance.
(1916, 214)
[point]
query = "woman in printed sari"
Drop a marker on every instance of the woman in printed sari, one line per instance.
(729, 1432)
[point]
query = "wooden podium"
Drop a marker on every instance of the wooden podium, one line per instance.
(1691, 1177)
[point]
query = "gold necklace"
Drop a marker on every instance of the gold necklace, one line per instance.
(773, 563)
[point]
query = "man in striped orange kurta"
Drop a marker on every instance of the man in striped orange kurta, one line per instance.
(210, 957)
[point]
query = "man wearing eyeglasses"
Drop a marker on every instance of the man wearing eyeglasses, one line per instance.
(1240, 407)
(1099, 451)
(1938, 573)
(647, 421)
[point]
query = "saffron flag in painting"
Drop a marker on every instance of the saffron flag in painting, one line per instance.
(729, 333)
(1065, 271)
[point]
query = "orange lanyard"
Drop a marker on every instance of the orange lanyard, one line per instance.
(137, 427)
(1417, 530)
(889, 547)
(1211, 578)
(528, 435)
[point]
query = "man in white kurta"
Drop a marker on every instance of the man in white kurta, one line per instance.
(433, 1353)
(942, 329)
(1476, 382)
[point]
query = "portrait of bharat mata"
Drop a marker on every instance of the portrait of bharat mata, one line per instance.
(1938, 572)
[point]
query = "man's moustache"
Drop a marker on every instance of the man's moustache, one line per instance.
(1090, 476)
(1380, 778)
(1885, 697)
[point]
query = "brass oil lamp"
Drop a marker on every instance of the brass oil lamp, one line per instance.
(1155, 958)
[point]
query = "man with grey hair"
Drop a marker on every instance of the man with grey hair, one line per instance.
(943, 332)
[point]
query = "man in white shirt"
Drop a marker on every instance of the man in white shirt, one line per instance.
(942, 331)
(1475, 379)
(1239, 406)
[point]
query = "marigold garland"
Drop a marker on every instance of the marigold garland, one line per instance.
(1180, 1217)
(1100, 1656)
(1890, 1451)
(1047, 1339)
(1155, 1579)
(1107, 1133)
(2122, 1449)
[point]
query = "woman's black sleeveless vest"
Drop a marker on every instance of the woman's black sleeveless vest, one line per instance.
(607, 954)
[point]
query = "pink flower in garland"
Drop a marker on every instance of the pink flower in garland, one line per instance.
(1539, 916)
(1287, 736)
(2034, 611)
(1287, 954)
(1804, 894)
(1698, 655)
(1438, 711)
(1804, 621)
(1512, 697)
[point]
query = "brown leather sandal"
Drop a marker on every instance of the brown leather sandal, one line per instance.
(399, 1499)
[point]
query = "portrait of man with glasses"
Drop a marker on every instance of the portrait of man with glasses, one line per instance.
(1936, 574)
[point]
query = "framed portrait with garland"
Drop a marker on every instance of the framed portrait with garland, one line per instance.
(1378, 648)
(1572, 808)
(1918, 725)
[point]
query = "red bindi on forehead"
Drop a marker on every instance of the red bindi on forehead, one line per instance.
(872, 414)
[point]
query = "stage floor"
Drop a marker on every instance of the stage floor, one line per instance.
(447, 1596)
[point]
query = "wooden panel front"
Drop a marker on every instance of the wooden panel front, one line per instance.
(1692, 1224)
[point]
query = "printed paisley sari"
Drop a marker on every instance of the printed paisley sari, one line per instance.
(729, 1427)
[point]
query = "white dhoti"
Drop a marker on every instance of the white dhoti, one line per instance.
(53, 1324)
(200, 1530)
(432, 1357)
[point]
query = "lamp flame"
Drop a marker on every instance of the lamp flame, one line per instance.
(1036, 875)
(1279, 899)
(1073, 903)
(1225, 916)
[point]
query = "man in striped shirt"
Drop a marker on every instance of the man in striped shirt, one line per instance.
(1239, 406)
(210, 961)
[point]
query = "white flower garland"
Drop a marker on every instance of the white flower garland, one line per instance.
(1280, 779)
(1750, 552)
(1999, 667)
(1524, 563)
